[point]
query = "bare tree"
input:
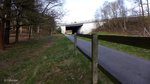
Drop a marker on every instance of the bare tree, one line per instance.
(141, 14)
(123, 13)
(51, 11)
(148, 7)
(145, 31)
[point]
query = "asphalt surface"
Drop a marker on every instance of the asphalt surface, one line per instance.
(128, 69)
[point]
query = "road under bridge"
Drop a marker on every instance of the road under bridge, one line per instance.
(73, 28)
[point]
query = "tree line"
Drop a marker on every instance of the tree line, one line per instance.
(117, 16)
(34, 14)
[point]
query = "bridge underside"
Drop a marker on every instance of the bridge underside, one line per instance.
(73, 28)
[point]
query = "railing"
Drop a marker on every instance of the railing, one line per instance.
(94, 54)
(142, 42)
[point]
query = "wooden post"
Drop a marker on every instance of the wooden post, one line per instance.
(94, 59)
(75, 43)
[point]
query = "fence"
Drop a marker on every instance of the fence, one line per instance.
(142, 42)
(94, 55)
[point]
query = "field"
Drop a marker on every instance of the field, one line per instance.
(46, 60)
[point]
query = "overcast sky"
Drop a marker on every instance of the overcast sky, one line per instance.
(81, 10)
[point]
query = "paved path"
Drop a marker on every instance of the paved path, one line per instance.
(128, 69)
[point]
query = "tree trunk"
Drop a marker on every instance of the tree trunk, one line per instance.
(30, 32)
(50, 31)
(143, 19)
(20, 30)
(142, 7)
(1, 35)
(17, 32)
(7, 31)
(38, 29)
(148, 7)
(148, 27)
(124, 24)
(7, 7)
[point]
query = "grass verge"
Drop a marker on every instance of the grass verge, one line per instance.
(140, 52)
(47, 60)
(109, 33)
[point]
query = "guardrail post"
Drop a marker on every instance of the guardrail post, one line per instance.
(94, 58)
(75, 43)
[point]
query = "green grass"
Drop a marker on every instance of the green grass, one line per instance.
(47, 60)
(140, 52)
(108, 33)
(112, 33)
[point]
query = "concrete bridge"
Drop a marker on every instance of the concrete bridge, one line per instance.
(81, 28)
